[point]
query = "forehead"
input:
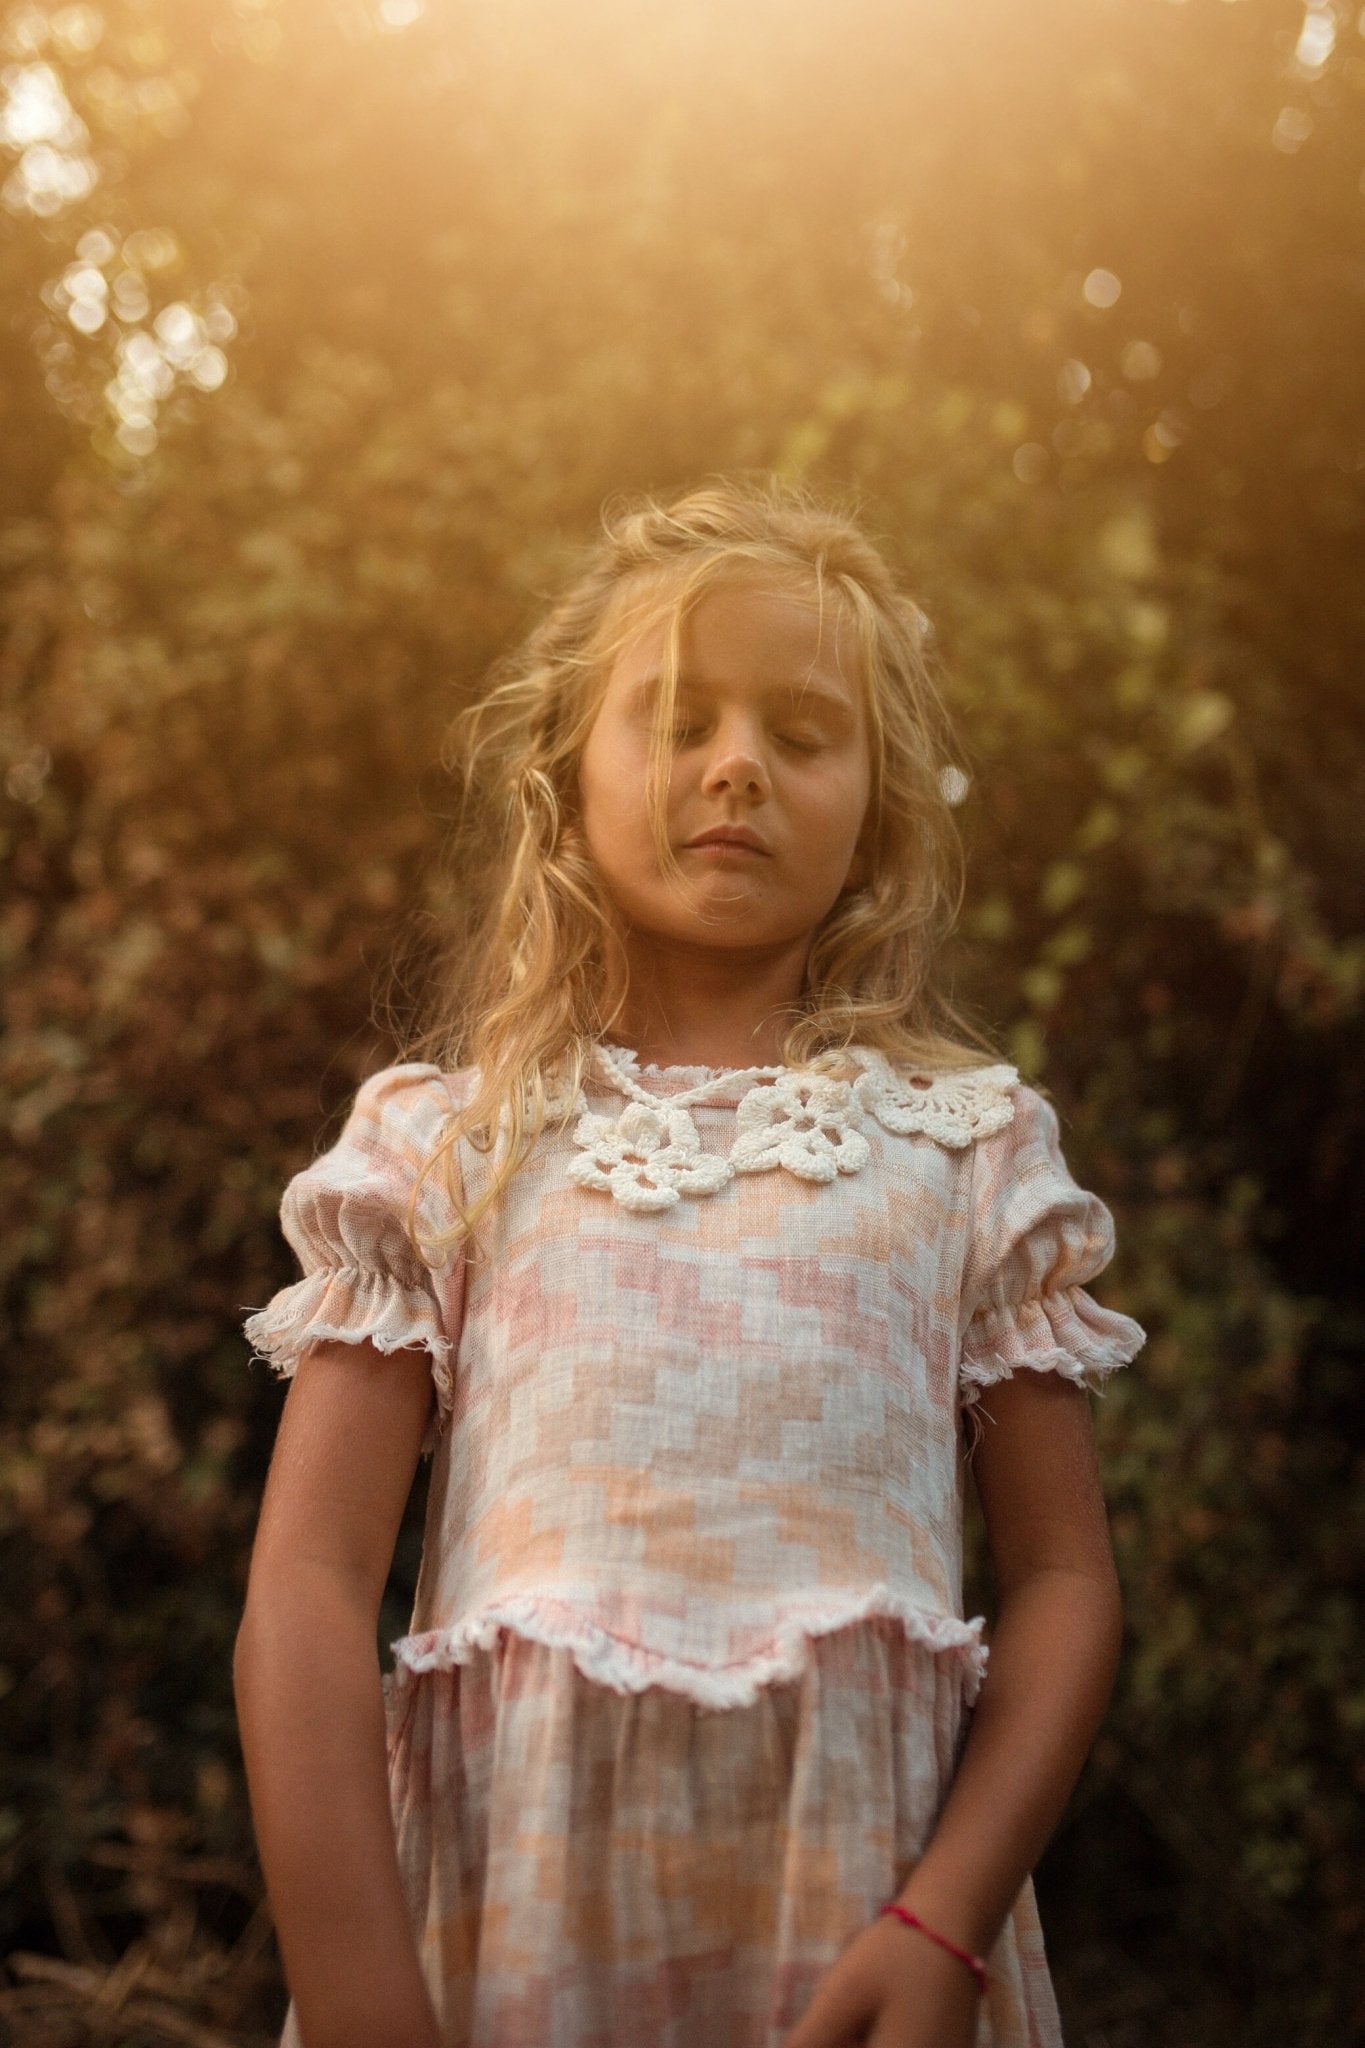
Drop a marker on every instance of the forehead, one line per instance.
(741, 630)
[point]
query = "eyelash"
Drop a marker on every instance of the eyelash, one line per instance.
(682, 734)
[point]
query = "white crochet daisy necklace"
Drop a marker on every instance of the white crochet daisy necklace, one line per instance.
(804, 1122)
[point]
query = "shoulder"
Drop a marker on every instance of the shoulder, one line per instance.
(393, 1131)
(395, 1120)
(1024, 1177)
(411, 1093)
(957, 1107)
(1030, 1143)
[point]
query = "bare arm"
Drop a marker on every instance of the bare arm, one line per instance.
(1054, 1652)
(310, 1708)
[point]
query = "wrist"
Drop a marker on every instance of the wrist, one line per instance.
(945, 1900)
(966, 1958)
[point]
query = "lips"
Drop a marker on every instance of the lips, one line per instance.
(738, 838)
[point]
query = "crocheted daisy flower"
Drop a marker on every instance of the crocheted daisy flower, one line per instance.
(648, 1157)
(807, 1124)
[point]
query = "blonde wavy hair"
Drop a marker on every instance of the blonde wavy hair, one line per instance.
(536, 972)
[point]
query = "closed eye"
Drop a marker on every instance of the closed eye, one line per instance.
(799, 740)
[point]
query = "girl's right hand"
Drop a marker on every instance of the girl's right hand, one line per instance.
(891, 1988)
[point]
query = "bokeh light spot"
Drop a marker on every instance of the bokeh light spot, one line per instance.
(175, 326)
(1292, 129)
(1140, 361)
(209, 368)
(27, 777)
(137, 436)
(37, 121)
(76, 29)
(1317, 38)
(151, 249)
(1073, 381)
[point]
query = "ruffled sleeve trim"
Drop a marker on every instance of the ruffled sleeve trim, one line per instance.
(1038, 1239)
(345, 1217)
(349, 1305)
(1065, 1331)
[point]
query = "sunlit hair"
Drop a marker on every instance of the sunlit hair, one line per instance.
(537, 972)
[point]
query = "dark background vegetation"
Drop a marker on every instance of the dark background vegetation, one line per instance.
(327, 328)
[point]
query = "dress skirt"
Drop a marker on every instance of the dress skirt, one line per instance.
(591, 1869)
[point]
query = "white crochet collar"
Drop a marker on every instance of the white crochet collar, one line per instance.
(807, 1122)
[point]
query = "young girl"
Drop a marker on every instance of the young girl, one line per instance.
(690, 1255)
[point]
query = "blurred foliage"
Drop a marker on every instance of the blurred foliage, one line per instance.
(326, 330)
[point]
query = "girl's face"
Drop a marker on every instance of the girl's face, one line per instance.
(770, 774)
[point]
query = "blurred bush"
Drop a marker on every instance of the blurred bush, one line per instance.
(327, 330)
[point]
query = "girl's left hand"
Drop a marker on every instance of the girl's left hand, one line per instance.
(891, 1988)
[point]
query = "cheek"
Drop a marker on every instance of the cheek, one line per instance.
(610, 790)
(843, 815)
(596, 779)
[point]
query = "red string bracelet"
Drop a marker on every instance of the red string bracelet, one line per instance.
(974, 1963)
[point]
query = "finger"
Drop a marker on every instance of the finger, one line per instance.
(835, 2018)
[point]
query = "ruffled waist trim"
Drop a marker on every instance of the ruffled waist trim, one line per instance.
(629, 1666)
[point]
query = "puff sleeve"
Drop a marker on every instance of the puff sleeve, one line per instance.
(1037, 1238)
(344, 1217)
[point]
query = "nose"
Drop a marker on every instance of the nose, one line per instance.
(737, 766)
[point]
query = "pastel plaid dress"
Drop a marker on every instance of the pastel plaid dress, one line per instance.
(688, 1673)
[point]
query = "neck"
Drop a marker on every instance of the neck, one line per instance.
(698, 1009)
